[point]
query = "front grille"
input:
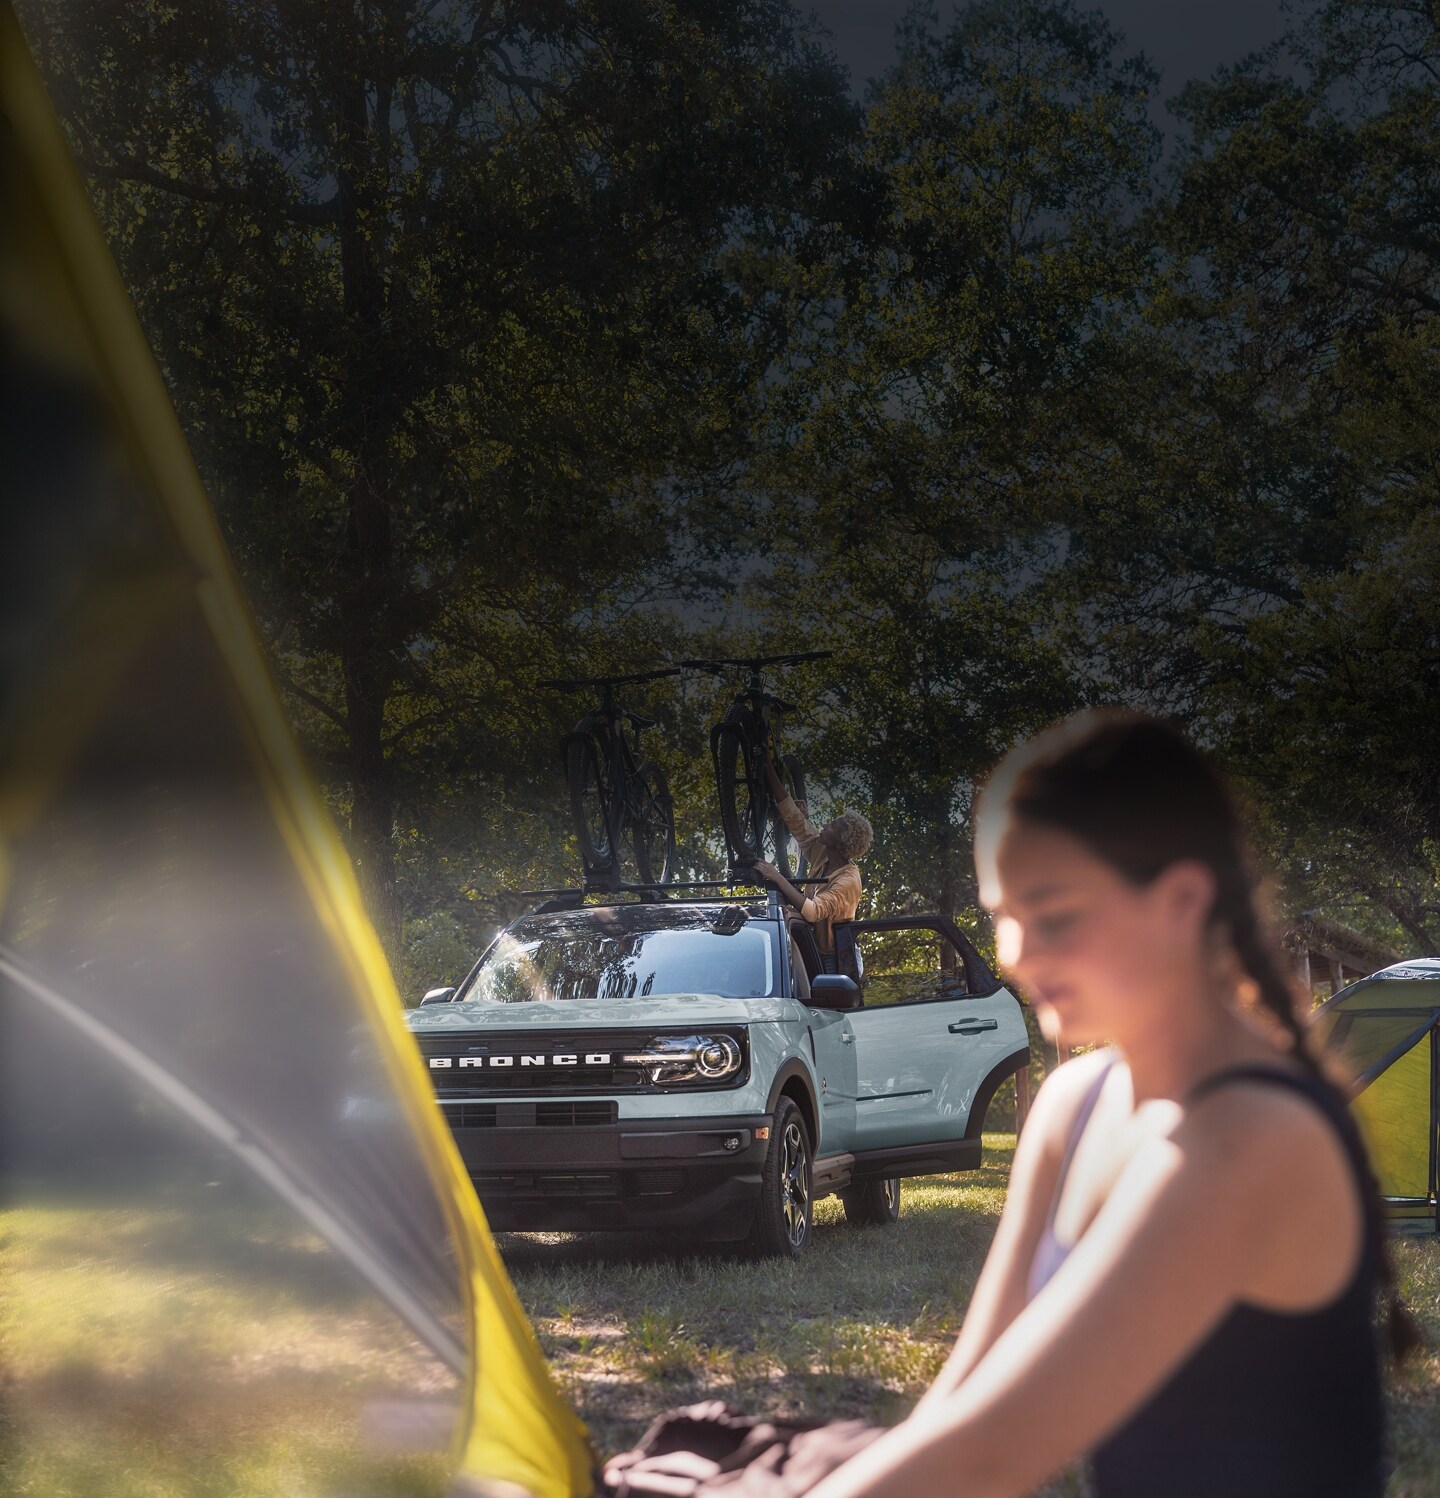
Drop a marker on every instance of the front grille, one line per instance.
(471, 1116)
(658, 1182)
(589, 1183)
(577, 1114)
(531, 1069)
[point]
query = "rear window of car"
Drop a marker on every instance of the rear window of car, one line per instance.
(622, 954)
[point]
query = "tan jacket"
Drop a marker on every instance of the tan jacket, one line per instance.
(839, 897)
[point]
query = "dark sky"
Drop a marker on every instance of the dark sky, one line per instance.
(1183, 38)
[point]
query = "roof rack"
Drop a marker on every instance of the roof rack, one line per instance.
(572, 897)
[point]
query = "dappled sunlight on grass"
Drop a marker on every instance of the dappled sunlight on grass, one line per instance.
(633, 1324)
(274, 1351)
(170, 1353)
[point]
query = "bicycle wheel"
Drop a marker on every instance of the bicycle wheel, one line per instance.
(781, 848)
(741, 800)
(651, 820)
(589, 803)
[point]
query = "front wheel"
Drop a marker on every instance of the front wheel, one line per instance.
(743, 799)
(589, 803)
(784, 1215)
(652, 825)
(873, 1204)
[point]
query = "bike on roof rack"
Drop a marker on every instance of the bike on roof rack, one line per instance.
(739, 744)
(618, 799)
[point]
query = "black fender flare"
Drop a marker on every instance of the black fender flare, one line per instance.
(1014, 1062)
(792, 1070)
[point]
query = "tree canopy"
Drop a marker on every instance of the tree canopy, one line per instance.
(520, 340)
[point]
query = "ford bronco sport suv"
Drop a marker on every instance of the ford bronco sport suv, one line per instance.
(686, 1065)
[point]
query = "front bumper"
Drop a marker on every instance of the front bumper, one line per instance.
(698, 1173)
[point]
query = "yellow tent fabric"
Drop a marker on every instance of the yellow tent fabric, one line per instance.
(1383, 1032)
(1391, 1111)
(171, 885)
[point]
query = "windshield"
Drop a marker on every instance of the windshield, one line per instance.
(619, 957)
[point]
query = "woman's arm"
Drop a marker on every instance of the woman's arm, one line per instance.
(999, 1294)
(771, 875)
(797, 823)
(1176, 1244)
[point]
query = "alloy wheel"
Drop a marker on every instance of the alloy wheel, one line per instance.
(795, 1183)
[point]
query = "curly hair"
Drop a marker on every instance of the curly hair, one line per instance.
(852, 834)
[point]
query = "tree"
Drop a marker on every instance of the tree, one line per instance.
(949, 418)
(455, 302)
(1304, 211)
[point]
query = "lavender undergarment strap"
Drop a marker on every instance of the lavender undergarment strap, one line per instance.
(1050, 1252)
(1077, 1128)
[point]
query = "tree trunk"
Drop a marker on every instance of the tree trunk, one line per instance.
(367, 570)
(948, 893)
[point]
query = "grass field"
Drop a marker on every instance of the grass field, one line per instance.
(277, 1354)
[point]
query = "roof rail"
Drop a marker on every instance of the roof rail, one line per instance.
(573, 897)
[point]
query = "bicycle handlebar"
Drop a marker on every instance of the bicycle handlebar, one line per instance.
(579, 683)
(755, 662)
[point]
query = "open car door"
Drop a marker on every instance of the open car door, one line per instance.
(937, 1032)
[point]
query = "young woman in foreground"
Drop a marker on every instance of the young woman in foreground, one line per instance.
(1182, 1284)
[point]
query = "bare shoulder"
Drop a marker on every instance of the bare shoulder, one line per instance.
(1272, 1126)
(1072, 1079)
(1062, 1094)
(1268, 1157)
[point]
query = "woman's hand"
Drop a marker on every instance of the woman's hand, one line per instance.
(766, 871)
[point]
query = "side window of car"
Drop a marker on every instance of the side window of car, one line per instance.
(909, 966)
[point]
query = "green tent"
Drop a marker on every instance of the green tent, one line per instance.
(1384, 1032)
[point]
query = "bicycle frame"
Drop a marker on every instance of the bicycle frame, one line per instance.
(753, 722)
(607, 725)
(620, 773)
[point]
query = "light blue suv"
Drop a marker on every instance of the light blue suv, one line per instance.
(686, 1065)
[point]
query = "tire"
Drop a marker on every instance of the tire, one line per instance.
(588, 803)
(734, 768)
(874, 1204)
(784, 1217)
(783, 851)
(652, 825)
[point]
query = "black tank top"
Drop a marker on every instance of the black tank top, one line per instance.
(1272, 1404)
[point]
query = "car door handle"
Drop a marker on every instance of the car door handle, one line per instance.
(973, 1026)
(846, 1038)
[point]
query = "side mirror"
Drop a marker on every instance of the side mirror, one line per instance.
(834, 991)
(439, 995)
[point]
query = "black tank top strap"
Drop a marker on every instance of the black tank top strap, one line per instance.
(1319, 1091)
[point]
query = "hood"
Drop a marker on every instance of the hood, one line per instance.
(597, 1014)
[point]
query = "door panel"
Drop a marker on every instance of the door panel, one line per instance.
(924, 1044)
(833, 1051)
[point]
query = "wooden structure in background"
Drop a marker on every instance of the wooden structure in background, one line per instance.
(1328, 955)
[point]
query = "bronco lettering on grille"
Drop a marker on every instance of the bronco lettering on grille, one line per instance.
(591, 1058)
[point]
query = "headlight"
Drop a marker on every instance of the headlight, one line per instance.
(688, 1058)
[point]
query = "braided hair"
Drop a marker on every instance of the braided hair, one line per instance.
(1141, 797)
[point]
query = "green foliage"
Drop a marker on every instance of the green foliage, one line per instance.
(456, 302)
(529, 342)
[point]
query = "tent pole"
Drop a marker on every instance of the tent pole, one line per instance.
(161, 1080)
(1435, 1120)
